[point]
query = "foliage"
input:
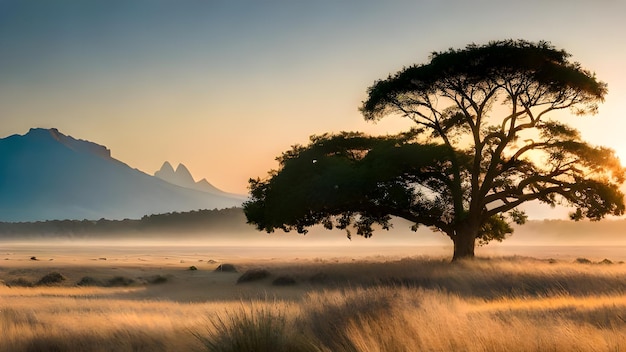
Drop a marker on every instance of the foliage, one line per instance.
(482, 145)
(340, 176)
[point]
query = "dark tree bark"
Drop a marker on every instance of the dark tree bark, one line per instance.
(464, 244)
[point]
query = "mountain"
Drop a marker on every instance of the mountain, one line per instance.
(182, 177)
(47, 175)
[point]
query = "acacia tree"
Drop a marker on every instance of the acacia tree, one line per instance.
(483, 144)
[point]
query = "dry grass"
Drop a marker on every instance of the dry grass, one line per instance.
(386, 319)
(371, 304)
(80, 319)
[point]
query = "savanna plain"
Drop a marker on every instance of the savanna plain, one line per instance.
(92, 296)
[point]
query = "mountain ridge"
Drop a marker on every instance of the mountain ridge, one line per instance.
(182, 177)
(47, 175)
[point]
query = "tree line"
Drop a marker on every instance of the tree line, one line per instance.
(206, 220)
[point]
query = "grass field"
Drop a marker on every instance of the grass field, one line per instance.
(148, 299)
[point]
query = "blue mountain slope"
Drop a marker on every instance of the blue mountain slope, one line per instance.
(47, 175)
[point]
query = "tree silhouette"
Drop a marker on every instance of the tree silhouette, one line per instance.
(481, 146)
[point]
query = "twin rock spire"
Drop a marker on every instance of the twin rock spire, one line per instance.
(182, 177)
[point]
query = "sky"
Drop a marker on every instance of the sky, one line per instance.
(224, 87)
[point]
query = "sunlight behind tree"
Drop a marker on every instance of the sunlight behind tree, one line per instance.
(466, 166)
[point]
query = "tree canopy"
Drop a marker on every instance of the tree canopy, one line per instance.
(482, 145)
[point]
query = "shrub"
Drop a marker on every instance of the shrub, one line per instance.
(253, 275)
(51, 279)
(330, 315)
(192, 268)
(89, 281)
(259, 330)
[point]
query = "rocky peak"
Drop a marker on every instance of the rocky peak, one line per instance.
(77, 145)
(184, 175)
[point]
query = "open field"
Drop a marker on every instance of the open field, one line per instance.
(345, 298)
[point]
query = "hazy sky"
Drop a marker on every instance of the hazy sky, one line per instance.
(226, 86)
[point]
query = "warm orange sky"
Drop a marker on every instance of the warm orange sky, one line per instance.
(225, 87)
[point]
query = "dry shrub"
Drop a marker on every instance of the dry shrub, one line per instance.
(259, 329)
(52, 278)
(329, 314)
(89, 281)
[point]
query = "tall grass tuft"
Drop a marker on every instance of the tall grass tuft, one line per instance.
(329, 315)
(259, 329)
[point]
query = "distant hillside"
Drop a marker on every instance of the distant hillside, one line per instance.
(46, 175)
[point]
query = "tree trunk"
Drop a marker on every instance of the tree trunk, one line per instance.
(464, 243)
